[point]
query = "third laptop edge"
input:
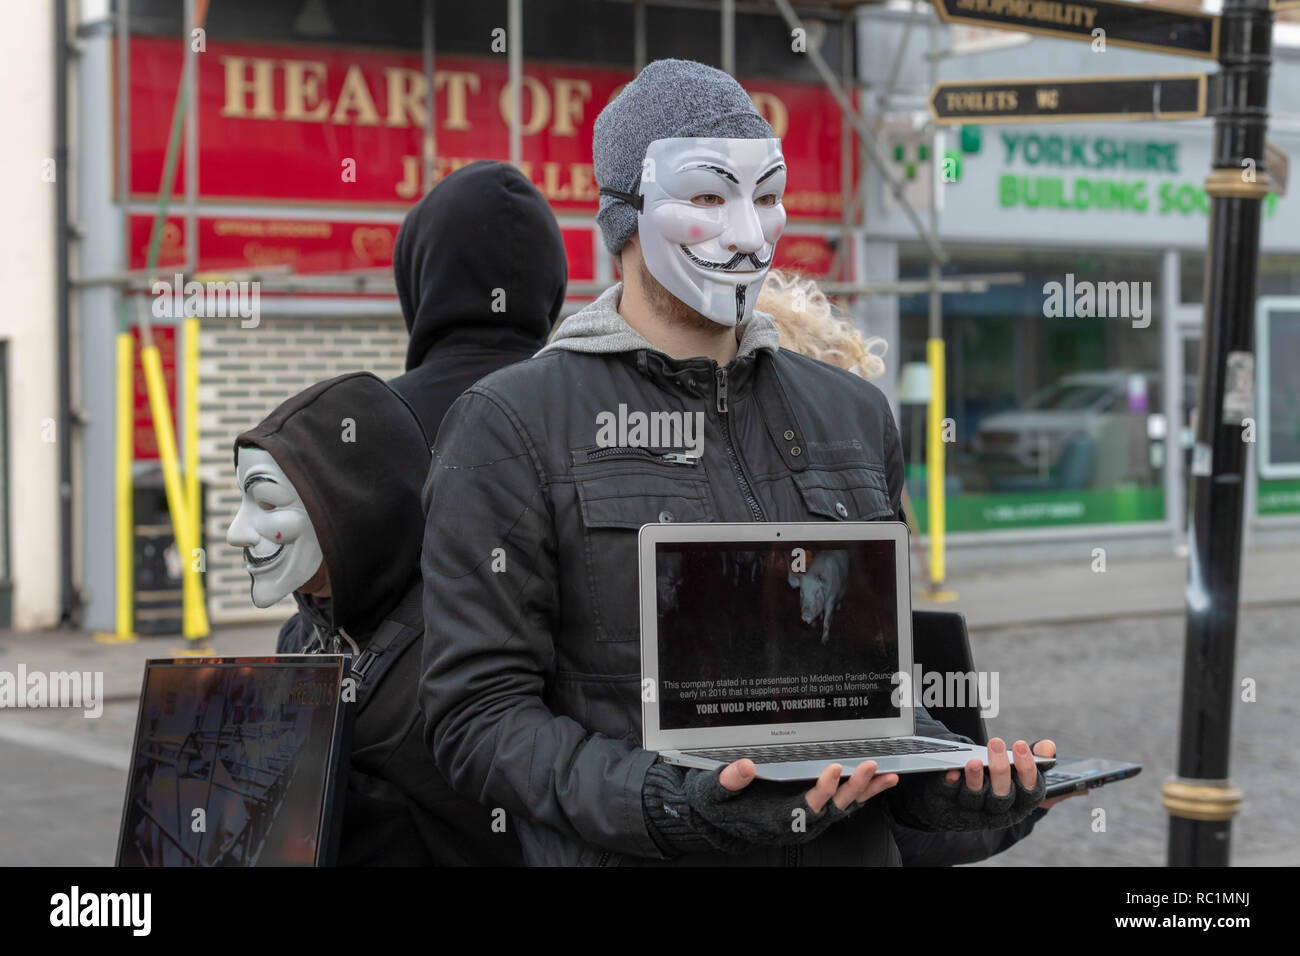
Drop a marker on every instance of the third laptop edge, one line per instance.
(1085, 773)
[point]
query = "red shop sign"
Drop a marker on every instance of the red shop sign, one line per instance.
(307, 124)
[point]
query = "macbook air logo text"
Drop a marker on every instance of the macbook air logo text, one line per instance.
(639, 429)
(783, 733)
(954, 689)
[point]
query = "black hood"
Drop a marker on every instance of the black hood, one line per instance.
(482, 229)
(358, 457)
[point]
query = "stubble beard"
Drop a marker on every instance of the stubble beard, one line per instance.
(671, 309)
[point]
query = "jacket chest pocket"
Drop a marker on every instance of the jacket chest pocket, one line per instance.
(614, 507)
(856, 493)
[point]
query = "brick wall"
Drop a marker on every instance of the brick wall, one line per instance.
(243, 375)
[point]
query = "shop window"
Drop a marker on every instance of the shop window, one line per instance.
(1191, 278)
(1054, 388)
(1278, 275)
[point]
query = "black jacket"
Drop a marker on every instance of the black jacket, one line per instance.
(531, 684)
(481, 273)
(356, 454)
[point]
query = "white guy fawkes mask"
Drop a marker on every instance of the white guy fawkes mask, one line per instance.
(710, 219)
(281, 552)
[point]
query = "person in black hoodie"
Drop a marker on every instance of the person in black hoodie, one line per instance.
(481, 274)
(331, 512)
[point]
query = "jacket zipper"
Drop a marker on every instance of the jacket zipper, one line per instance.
(604, 858)
(671, 458)
(755, 508)
(792, 856)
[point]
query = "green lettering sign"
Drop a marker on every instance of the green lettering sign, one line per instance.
(1084, 193)
(1100, 152)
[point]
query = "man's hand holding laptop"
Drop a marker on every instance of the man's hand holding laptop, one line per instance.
(1000, 766)
(1000, 770)
(727, 811)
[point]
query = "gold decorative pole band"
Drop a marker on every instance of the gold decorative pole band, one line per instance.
(1200, 800)
(1228, 183)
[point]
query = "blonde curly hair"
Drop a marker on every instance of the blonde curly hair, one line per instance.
(811, 325)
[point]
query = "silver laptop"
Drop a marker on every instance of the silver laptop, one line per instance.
(780, 643)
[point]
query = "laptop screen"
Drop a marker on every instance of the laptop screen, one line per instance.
(235, 762)
(775, 633)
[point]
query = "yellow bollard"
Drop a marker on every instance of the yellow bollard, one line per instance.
(164, 429)
(124, 509)
(934, 475)
(195, 614)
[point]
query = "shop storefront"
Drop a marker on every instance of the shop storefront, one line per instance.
(1070, 394)
(1073, 395)
(310, 152)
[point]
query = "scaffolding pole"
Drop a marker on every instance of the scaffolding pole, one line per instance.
(380, 284)
(515, 57)
(123, 30)
(184, 517)
(638, 36)
(124, 398)
(194, 620)
(936, 450)
(430, 117)
(847, 212)
(729, 37)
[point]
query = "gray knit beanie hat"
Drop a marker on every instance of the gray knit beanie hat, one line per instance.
(667, 100)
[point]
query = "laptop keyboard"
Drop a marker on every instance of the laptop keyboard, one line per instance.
(833, 750)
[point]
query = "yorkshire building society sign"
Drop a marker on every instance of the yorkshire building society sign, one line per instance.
(1115, 184)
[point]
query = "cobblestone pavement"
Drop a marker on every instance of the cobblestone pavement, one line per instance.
(1112, 689)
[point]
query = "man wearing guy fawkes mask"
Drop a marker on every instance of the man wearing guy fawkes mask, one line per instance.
(531, 687)
(330, 513)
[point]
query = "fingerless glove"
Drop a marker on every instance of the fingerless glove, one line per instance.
(691, 812)
(936, 804)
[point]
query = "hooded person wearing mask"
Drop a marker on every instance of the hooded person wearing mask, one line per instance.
(330, 512)
(481, 274)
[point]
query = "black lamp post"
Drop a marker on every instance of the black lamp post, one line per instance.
(1200, 800)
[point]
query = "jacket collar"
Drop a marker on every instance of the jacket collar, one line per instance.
(598, 328)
